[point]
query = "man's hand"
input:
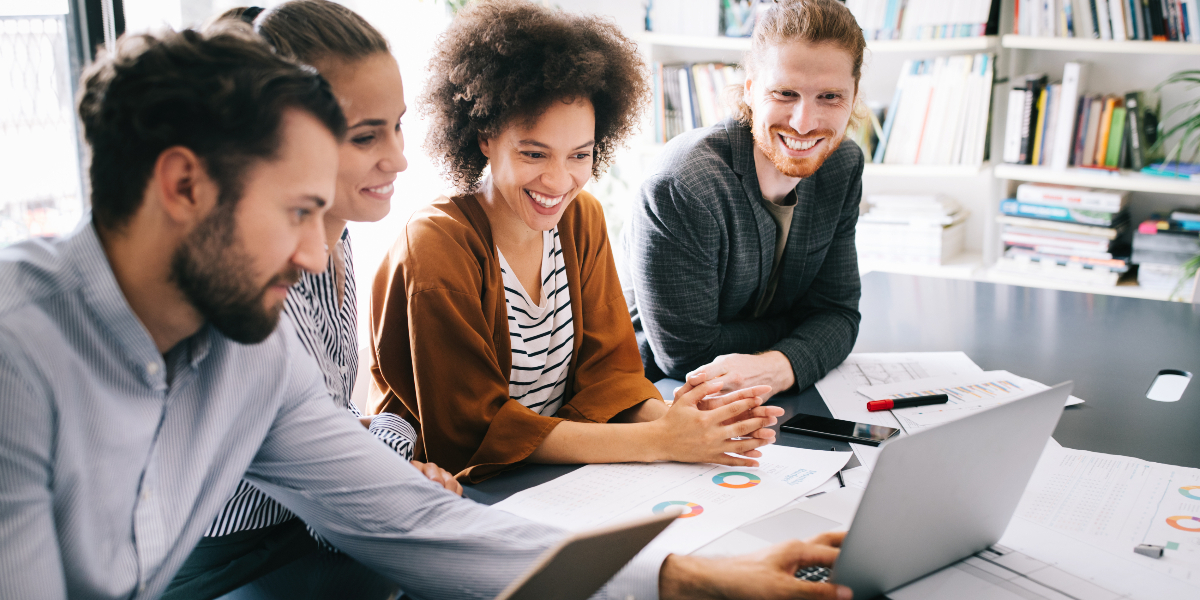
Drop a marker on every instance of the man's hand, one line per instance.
(439, 476)
(744, 370)
(770, 413)
(766, 575)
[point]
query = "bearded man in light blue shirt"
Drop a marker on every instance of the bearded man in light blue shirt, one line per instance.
(142, 374)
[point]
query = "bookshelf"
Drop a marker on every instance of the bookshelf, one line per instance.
(925, 171)
(1116, 66)
(880, 74)
(1094, 178)
(971, 44)
(1025, 42)
(967, 265)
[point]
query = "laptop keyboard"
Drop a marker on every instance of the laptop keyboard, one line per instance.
(815, 574)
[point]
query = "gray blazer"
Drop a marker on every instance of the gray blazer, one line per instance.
(699, 250)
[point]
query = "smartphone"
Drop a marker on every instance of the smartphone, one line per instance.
(859, 433)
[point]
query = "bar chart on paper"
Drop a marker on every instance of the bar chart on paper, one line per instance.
(967, 394)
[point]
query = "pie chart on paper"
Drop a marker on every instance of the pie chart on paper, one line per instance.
(1191, 491)
(1182, 523)
(736, 480)
(690, 509)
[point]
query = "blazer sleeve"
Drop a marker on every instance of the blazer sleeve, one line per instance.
(608, 375)
(677, 240)
(826, 315)
(436, 358)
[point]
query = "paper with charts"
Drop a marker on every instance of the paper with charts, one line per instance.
(715, 499)
(967, 394)
(1085, 512)
(840, 387)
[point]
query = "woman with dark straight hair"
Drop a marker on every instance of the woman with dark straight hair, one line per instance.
(255, 546)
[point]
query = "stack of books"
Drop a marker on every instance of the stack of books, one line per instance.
(1159, 20)
(688, 96)
(1064, 233)
(923, 230)
(925, 19)
(1059, 125)
(1162, 246)
(939, 112)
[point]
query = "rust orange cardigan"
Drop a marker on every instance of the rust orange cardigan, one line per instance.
(440, 354)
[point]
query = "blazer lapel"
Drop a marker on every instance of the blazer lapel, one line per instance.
(741, 142)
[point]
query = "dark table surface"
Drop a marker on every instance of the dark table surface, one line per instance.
(1111, 347)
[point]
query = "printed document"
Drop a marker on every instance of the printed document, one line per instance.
(714, 499)
(840, 387)
(1085, 512)
(967, 394)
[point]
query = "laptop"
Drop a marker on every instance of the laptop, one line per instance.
(935, 497)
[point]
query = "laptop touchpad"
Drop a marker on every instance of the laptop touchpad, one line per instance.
(795, 524)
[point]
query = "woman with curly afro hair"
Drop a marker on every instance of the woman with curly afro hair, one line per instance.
(500, 330)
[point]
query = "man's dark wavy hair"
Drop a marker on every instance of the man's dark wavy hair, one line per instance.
(222, 94)
(502, 61)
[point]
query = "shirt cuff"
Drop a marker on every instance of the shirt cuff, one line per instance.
(637, 580)
(397, 433)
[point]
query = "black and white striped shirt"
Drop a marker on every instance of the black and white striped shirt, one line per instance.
(541, 333)
(328, 332)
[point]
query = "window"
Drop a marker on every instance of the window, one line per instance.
(39, 142)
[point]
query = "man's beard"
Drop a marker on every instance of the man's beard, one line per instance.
(795, 167)
(214, 272)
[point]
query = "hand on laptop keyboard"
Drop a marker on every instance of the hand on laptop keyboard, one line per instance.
(784, 571)
(814, 574)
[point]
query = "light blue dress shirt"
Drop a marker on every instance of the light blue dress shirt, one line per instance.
(114, 458)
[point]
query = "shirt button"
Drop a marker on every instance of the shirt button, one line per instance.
(145, 494)
(142, 588)
(152, 368)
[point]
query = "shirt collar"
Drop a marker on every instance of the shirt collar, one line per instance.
(103, 296)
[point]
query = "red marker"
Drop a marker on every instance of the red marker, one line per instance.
(878, 405)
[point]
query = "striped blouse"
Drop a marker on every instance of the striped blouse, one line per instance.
(540, 333)
(329, 333)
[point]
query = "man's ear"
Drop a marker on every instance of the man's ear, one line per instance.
(747, 98)
(181, 186)
(485, 146)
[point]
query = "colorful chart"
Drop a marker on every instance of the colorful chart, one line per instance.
(737, 480)
(1187, 491)
(1183, 523)
(691, 509)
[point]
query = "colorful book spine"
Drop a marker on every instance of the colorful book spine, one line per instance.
(1102, 135)
(1116, 137)
(1059, 213)
(1072, 197)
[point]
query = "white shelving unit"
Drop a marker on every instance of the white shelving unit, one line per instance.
(882, 62)
(1116, 66)
(1025, 42)
(925, 171)
(973, 44)
(1113, 180)
(968, 265)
